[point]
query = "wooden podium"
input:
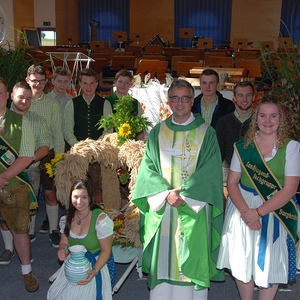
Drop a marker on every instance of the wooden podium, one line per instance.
(186, 33)
(205, 43)
(138, 37)
(120, 36)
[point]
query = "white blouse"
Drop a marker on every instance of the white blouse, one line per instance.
(103, 229)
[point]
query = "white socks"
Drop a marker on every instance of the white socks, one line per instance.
(26, 269)
(8, 240)
(52, 213)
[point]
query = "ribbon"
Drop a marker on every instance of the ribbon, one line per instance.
(264, 232)
(111, 268)
(92, 258)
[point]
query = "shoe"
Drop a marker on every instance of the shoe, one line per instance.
(45, 227)
(32, 212)
(31, 282)
(32, 237)
(54, 238)
(6, 257)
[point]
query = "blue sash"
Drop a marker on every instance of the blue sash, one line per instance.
(111, 268)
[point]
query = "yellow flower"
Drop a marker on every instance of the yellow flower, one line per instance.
(118, 222)
(57, 158)
(125, 130)
(49, 169)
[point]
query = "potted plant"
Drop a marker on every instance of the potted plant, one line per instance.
(282, 70)
(14, 63)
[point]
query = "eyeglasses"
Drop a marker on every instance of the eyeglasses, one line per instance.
(184, 99)
(35, 81)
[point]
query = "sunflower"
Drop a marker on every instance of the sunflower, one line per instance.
(57, 158)
(125, 130)
(49, 169)
(51, 166)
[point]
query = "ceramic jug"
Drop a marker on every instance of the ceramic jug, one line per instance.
(77, 265)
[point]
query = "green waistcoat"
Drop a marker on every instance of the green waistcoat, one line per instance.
(277, 165)
(11, 131)
(90, 242)
(86, 117)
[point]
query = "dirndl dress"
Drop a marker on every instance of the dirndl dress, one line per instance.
(258, 254)
(63, 289)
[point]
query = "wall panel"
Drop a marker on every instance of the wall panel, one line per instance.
(257, 20)
(152, 17)
(23, 13)
(67, 19)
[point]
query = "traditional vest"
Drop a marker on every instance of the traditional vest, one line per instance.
(11, 130)
(90, 242)
(277, 166)
(86, 117)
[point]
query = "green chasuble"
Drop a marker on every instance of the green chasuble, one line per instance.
(195, 164)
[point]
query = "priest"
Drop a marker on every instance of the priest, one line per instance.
(179, 194)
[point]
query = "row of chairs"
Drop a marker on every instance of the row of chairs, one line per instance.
(157, 65)
(175, 59)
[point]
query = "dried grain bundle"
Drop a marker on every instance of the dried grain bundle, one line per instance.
(67, 171)
(111, 188)
(97, 151)
(107, 154)
(132, 224)
(111, 138)
(131, 154)
(75, 166)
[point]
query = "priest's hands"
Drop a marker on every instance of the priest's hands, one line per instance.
(174, 197)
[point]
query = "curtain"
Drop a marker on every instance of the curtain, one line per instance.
(113, 15)
(210, 19)
(290, 19)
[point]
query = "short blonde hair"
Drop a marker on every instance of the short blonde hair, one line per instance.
(61, 71)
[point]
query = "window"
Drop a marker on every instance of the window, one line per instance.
(48, 36)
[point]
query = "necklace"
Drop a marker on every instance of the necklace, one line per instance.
(79, 221)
